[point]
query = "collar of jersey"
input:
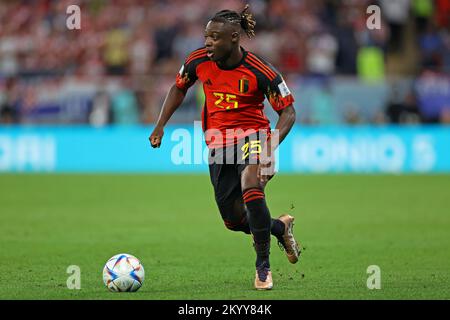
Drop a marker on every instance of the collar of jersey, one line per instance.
(244, 54)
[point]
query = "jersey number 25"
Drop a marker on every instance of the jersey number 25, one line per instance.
(229, 98)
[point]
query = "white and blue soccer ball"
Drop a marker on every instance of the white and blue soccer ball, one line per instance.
(123, 273)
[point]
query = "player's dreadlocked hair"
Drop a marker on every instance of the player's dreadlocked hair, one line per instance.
(244, 19)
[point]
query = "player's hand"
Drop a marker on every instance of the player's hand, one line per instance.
(156, 137)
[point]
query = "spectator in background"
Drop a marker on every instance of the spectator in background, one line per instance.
(445, 116)
(291, 46)
(265, 43)
(116, 51)
(431, 47)
(412, 113)
(423, 12)
(6, 115)
(141, 52)
(351, 114)
(402, 110)
(371, 52)
(396, 13)
(347, 46)
(92, 65)
(322, 48)
(124, 104)
(433, 94)
(442, 13)
(187, 40)
(101, 111)
(446, 50)
(9, 63)
(323, 106)
(148, 41)
(9, 106)
(370, 64)
(164, 36)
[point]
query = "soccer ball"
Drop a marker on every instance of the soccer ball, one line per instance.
(123, 273)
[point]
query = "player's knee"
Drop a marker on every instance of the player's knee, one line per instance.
(249, 178)
(233, 226)
(229, 225)
(241, 226)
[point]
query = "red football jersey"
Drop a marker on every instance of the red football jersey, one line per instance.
(234, 96)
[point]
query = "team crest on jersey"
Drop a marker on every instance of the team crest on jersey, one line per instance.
(243, 85)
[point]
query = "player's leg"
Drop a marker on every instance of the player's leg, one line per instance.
(234, 215)
(227, 189)
(234, 218)
(281, 228)
(277, 227)
(287, 240)
(260, 224)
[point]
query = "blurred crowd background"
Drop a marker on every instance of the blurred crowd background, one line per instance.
(119, 66)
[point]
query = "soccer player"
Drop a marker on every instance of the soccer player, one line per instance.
(235, 82)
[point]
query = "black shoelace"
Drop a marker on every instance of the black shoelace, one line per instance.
(281, 244)
(262, 273)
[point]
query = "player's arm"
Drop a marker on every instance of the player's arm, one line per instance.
(186, 77)
(285, 123)
(281, 101)
(173, 100)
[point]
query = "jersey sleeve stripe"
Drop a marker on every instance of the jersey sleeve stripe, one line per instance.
(264, 64)
(269, 75)
(195, 56)
(267, 68)
(196, 51)
(253, 64)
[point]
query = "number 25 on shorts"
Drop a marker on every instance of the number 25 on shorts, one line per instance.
(251, 147)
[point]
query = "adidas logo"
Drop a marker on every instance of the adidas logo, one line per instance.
(208, 82)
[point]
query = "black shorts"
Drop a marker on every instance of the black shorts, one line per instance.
(225, 169)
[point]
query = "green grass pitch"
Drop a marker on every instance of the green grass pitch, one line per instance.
(171, 223)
